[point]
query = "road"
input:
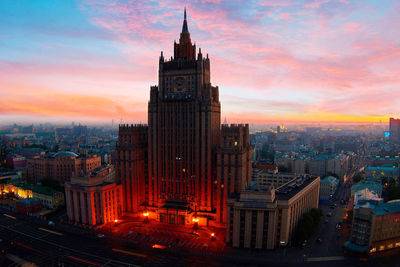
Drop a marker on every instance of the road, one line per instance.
(332, 239)
(29, 242)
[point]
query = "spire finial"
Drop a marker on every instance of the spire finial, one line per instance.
(184, 26)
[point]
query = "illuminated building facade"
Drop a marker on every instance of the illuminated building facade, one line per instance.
(48, 197)
(131, 161)
(183, 168)
(93, 198)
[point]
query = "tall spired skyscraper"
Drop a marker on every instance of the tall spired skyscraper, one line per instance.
(184, 128)
(181, 182)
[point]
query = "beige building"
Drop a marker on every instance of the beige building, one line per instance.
(92, 198)
(297, 165)
(264, 219)
(60, 166)
(267, 178)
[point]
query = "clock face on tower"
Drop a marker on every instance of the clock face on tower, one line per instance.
(179, 83)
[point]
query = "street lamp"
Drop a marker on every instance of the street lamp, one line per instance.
(196, 223)
(195, 219)
(146, 216)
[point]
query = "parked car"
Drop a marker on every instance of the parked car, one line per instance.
(195, 234)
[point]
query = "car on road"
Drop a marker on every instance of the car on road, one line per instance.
(51, 223)
(319, 240)
(212, 237)
(159, 247)
(195, 234)
(329, 214)
(326, 220)
(100, 236)
(138, 236)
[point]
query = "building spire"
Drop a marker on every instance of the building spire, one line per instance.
(184, 27)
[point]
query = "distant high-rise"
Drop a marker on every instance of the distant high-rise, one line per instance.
(181, 184)
(394, 129)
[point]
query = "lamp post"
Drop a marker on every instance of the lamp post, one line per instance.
(146, 216)
(115, 221)
(195, 219)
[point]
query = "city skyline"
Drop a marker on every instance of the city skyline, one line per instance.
(289, 61)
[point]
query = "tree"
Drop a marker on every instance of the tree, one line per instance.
(52, 184)
(358, 177)
(265, 153)
(307, 225)
(282, 168)
(333, 174)
(393, 190)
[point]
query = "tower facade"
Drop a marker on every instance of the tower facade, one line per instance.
(178, 184)
(234, 156)
(394, 129)
(184, 130)
(131, 163)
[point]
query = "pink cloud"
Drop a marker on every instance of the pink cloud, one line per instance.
(329, 51)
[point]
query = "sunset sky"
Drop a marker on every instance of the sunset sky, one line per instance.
(274, 61)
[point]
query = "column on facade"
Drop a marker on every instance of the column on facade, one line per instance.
(271, 229)
(236, 228)
(91, 210)
(102, 208)
(83, 208)
(260, 228)
(247, 228)
(285, 225)
(69, 202)
(76, 205)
